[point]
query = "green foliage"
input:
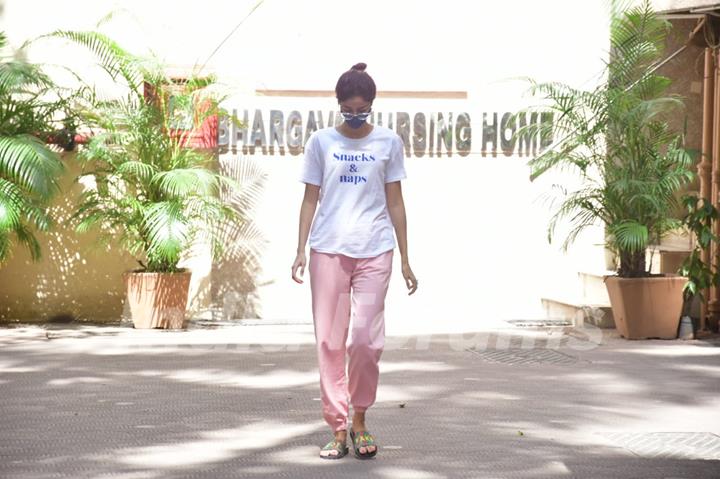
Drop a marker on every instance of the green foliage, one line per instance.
(699, 216)
(30, 108)
(617, 139)
(148, 191)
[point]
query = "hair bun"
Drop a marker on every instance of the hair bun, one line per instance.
(359, 67)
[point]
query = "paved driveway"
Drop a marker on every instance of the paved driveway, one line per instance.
(243, 401)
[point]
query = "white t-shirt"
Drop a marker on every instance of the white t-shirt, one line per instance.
(352, 217)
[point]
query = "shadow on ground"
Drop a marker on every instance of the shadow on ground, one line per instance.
(222, 404)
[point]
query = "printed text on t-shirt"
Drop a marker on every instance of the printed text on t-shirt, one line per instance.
(353, 168)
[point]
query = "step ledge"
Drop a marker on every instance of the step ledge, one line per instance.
(574, 302)
(598, 274)
(670, 249)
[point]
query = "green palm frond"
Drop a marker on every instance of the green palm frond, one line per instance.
(27, 161)
(167, 230)
(183, 181)
(12, 203)
(115, 60)
(142, 171)
(17, 76)
(617, 139)
(630, 235)
(30, 105)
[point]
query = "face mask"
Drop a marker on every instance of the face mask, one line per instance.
(355, 121)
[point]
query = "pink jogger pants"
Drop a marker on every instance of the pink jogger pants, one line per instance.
(332, 277)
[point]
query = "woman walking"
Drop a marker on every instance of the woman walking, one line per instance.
(354, 171)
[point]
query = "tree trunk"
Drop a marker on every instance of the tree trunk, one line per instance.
(632, 264)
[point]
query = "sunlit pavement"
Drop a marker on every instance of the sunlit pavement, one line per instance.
(220, 401)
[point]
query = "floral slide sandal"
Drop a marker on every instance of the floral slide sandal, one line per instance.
(363, 439)
(335, 445)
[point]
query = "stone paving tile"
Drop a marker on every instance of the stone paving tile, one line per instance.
(95, 402)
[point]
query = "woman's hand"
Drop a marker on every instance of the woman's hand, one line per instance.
(299, 263)
(410, 280)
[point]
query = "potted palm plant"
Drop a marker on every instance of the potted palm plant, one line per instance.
(30, 105)
(148, 190)
(631, 164)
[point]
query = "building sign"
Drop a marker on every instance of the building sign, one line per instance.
(431, 134)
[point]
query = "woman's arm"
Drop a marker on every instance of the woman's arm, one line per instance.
(396, 207)
(307, 213)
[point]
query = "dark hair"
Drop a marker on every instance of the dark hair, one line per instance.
(355, 82)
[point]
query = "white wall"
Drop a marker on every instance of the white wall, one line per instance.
(476, 227)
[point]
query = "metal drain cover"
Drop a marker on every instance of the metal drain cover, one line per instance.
(524, 356)
(683, 445)
(539, 323)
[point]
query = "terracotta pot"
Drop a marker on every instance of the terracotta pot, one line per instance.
(158, 300)
(646, 307)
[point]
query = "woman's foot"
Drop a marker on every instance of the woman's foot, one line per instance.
(337, 447)
(358, 426)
